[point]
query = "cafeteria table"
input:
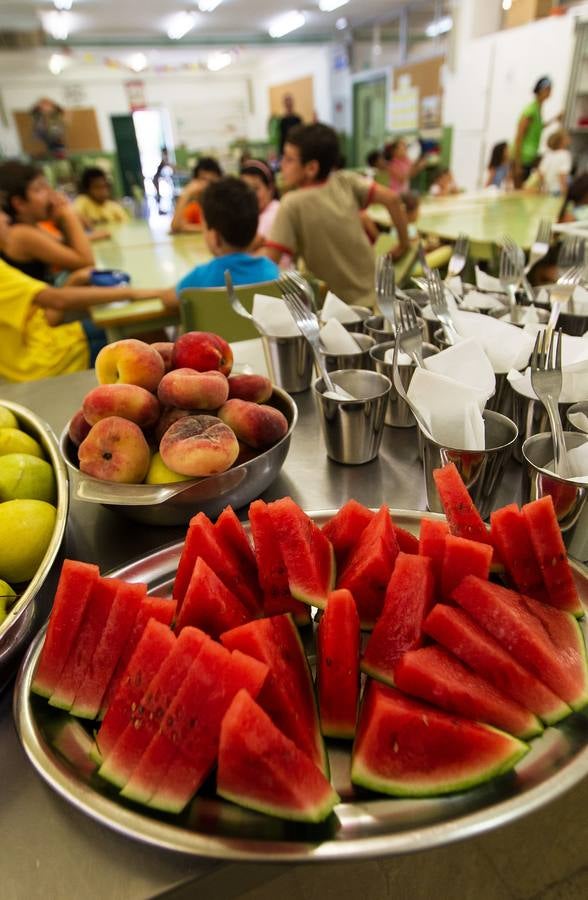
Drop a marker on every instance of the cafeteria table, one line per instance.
(51, 851)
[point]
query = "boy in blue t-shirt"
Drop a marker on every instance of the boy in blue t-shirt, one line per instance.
(230, 213)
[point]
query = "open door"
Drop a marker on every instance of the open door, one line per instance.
(129, 158)
(369, 117)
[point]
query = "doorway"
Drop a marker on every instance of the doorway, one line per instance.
(369, 116)
(153, 130)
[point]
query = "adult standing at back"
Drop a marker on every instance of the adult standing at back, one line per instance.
(288, 120)
(530, 128)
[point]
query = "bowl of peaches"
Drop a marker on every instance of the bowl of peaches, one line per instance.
(169, 431)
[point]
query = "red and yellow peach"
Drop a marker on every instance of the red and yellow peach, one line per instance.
(199, 446)
(256, 425)
(130, 362)
(129, 401)
(115, 450)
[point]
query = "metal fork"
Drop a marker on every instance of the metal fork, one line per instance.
(386, 289)
(510, 274)
(459, 257)
(297, 281)
(409, 334)
(423, 260)
(518, 255)
(237, 305)
(397, 379)
(308, 326)
(546, 381)
(563, 288)
(540, 246)
(572, 252)
(440, 306)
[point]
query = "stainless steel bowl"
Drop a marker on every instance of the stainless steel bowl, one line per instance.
(577, 416)
(28, 610)
(175, 504)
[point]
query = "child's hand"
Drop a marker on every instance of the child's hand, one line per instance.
(59, 205)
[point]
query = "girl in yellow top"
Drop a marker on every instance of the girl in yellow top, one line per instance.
(94, 205)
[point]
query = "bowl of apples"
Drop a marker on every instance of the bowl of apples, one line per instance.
(170, 431)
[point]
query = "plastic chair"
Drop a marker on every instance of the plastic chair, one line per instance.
(404, 266)
(209, 309)
(436, 259)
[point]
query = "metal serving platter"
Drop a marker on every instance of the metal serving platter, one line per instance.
(363, 824)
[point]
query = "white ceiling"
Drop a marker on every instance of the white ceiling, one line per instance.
(96, 22)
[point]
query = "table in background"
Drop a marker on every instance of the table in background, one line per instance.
(49, 850)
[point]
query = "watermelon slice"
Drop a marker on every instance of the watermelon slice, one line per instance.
(262, 769)
(76, 582)
(458, 632)
(463, 517)
(463, 557)
(146, 717)
(75, 745)
(407, 542)
(370, 566)
(338, 641)
(409, 749)
(190, 733)
(437, 676)
(399, 628)
(432, 544)
(306, 552)
(272, 572)
(94, 619)
(287, 695)
(551, 555)
(155, 645)
(510, 535)
(209, 605)
(232, 537)
(346, 528)
(507, 616)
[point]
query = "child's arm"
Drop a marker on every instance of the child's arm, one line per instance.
(192, 191)
(84, 297)
(76, 239)
(395, 206)
(490, 173)
(34, 243)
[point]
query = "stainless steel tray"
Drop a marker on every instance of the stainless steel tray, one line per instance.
(364, 824)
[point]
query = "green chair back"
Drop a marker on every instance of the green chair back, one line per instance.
(208, 309)
(402, 267)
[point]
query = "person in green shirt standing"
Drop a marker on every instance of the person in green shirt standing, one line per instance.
(528, 138)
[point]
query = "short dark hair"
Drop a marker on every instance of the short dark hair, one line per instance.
(207, 164)
(373, 157)
(543, 82)
(15, 178)
(316, 142)
(230, 207)
(259, 169)
(578, 190)
(497, 155)
(90, 174)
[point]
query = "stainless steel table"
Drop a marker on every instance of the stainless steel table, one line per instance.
(49, 850)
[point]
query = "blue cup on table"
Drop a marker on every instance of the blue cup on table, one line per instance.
(109, 277)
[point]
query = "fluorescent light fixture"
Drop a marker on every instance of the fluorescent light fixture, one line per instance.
(57, 24)
(218, 61)
(138, 62)
(57, 63)
(341, 23)
(62, 4)
(506, 5)
(439, 26)
(330, 5)
(283, 25)
(180, 24)
(208, 5)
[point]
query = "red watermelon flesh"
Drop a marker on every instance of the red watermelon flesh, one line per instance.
(233, 538)
(94, 619)
(306, 552)
(345, 529)
(260, 768)
(463, 517)
(370, 566)
(195, 750)
(209, 605)
(147, 716)
(410, 749)
(338, 641)
(408, 599)
(76, 582)
(432, 544)
(552, 556)
(407, 542)
(437, 676)
(463, 557)
(272, 572)
(154, 646)
(287, 695)
(457, 631)
(510, 535)
(504, 614)
(158, 608)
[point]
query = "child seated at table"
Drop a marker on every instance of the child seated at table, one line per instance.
(498, 174)
(94, 204)
(444, 184)
(188, 213)
(556, 164)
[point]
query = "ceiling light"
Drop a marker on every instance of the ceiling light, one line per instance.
(330, 5)
(439, 26)
(138, 62)
(341, 23)
(218, 61)
(57, 63)
(506, 5)
(208, 5)
(57, 24)
(283, 25)
(180, 24)
(62, 4)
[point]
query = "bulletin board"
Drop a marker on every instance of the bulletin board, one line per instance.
(424, 77)
(81, 132)
(301, 90)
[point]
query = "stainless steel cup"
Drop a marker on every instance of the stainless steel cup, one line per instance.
(577, 416)
(516, 315)
(379, 328)
(289, 362)
(530, 417)
(398, 413)
(359, 360)
(353, 429)
(356, 327)
(502, 400)
(570, 498)
(481, 470)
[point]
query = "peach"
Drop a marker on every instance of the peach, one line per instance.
(165, 350)
(167, 418)
(203, 351)
(130, 362)
(129, 401)
(256, 388)
(115, 450)
(256, 425)
(189, 389)
(79, 428)
(199, 446)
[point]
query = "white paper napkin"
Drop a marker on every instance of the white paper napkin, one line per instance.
(334, 308)
(451, 410)
(455, 286)
(579, 420)
(335, 339)
(578, 460)
(467, 364)
(487, 282)
(574, 358)
(274, 316)
(403, 358)
(478, 300)
(506, 346)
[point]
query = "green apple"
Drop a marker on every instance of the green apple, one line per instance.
(160, 474)
(7, 418)
(26, 527)
(7, 595)
(26, 477)
(13, 440)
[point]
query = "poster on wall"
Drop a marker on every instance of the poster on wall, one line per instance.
(404, 106)
(136, 95)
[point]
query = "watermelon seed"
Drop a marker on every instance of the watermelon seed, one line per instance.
(395, 747)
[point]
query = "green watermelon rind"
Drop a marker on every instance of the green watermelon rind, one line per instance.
(339, 731)
(376, 673)
(362, 777)
(582, 700)
(318, 600)
(311, 815)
